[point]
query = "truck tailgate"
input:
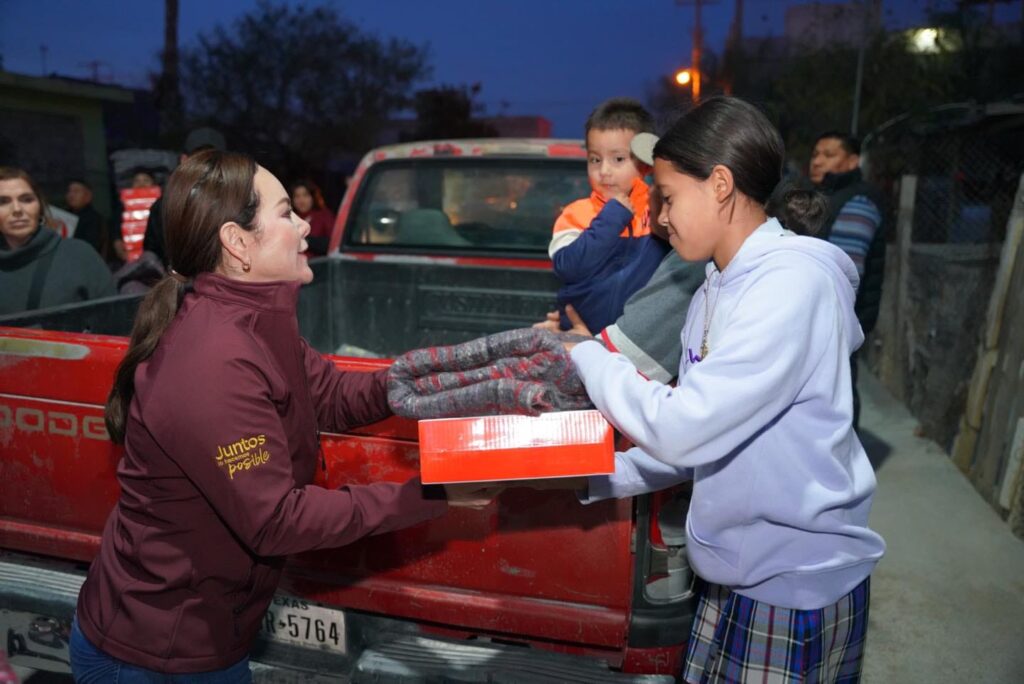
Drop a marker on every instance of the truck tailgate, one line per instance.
(531, 565)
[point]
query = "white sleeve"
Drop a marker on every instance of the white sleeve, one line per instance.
(774, 338)
(563, 238)
(635, 473)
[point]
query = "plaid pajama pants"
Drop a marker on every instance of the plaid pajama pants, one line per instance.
(738, 639)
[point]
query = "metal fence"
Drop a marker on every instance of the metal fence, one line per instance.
(950, 176)
(967, 159)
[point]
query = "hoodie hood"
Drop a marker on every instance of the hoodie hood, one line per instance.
(772, 241)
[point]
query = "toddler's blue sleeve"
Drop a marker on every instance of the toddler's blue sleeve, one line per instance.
(588, 253)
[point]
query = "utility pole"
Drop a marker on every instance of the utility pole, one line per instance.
(169, 91)
(736, 30)
(695, 52)
(94, 68)
(42, 57)
(733, 47)
(872, 13)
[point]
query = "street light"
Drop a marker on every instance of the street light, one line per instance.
(689, 78)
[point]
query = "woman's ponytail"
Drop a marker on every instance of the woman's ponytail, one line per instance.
(206, 191)
(155, 314)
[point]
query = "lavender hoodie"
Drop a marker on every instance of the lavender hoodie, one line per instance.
(782, 486)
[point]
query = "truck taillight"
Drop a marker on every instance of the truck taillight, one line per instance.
(664, 600)
(671, 578)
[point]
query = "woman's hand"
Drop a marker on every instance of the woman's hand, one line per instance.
(475, 495)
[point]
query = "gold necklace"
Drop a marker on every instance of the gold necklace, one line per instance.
(708, 315)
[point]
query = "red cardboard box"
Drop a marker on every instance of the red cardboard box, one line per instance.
(136, 203)
(494, 448)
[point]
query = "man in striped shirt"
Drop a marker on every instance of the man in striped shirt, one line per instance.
(854, 223)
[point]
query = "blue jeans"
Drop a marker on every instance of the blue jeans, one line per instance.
(90, 665)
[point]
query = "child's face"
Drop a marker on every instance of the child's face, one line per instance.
(689, 210)
(610, 166)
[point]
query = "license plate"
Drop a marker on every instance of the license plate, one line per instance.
(302, 622)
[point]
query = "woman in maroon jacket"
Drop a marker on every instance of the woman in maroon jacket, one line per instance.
(219, 403)
(309, 205)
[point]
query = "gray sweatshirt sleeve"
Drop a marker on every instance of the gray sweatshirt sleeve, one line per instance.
(648, 331)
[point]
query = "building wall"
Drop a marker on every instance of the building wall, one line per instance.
(55, 132)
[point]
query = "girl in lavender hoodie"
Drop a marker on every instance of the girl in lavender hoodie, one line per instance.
(760, 419)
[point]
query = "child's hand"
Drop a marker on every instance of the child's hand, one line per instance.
(578, 326)
(550, 322)
(623, 199)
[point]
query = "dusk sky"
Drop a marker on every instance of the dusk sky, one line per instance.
(554, 58)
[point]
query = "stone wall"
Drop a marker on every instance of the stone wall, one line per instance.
(928, 363)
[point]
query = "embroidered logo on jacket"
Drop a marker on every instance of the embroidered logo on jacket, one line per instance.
(245, 454)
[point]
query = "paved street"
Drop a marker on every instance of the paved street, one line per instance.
(947, 601)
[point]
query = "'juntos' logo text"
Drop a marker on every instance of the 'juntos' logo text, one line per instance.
(244, 454)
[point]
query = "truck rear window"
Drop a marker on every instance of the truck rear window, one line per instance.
(461, 205)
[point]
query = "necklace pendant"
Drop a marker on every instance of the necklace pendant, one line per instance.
(704, 350)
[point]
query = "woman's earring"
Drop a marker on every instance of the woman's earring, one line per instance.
(246, 266)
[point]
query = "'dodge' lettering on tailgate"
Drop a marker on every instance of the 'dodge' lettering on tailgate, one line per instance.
(58, 423)
(243, 454)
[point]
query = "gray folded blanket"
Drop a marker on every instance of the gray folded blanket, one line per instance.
(524, 371)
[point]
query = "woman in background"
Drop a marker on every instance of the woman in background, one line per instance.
(308, 203)
(39, 269)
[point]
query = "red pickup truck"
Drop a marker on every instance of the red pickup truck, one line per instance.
(434, 243)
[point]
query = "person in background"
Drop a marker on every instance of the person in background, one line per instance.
(854, 222)
(761, 417)
(143, 179)
(309, 204)
(601, 246)
(196, 141)
(92, 227)
(39, 269)
(222, 442)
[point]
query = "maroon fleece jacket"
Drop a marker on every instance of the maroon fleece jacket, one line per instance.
(220, 452)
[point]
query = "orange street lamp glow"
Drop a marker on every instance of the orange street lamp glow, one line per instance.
(683, 77)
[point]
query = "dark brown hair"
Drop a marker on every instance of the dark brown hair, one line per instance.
(312, 188)
(14, 173)
(849, 143)
(208, 190)
(736, 134)
(620, 113)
